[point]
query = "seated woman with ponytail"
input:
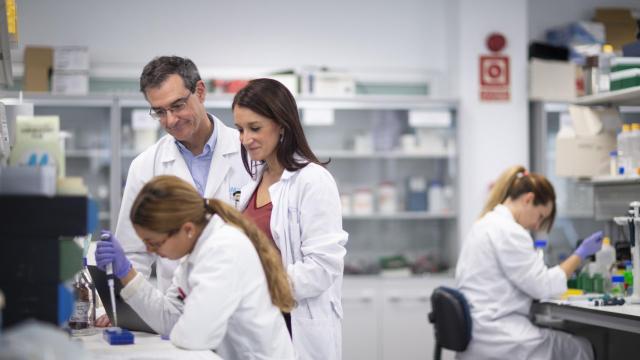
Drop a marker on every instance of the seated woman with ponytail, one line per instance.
(230, 287)
(500, 273)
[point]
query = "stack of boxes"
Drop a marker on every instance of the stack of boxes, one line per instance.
(70, 70)
(625, 72)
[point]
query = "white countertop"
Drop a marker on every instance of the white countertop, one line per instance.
(145, 346)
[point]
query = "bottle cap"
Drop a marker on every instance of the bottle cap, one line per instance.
(606, 241)
(607, 48)
(617, 278)
(540, 243)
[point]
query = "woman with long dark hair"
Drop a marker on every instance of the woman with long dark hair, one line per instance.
(295, 201)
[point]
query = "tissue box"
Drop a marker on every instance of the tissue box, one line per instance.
(584, 156)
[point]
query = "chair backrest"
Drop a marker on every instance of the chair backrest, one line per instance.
(451, 318)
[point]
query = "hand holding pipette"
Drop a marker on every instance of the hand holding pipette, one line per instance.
(110, 258)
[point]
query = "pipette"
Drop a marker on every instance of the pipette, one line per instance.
(110, 282)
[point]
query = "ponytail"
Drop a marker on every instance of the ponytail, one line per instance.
(167, 202)
(277, 279)
(516, 181)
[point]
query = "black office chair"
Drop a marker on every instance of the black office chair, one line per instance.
(451, 320)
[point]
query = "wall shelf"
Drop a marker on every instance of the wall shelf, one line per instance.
(406, 215)
(629, 97)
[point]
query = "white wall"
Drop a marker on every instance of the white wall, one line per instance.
(493, 135)
(372, 36)
(545, 14)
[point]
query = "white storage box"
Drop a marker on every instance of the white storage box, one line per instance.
(551, 80)
(70, 82)
(71, 58)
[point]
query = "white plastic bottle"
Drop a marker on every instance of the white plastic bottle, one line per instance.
(634, 148)
(605, 258)
(604, 68)
(623, 150)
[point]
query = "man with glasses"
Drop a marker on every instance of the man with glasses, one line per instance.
(198, 148)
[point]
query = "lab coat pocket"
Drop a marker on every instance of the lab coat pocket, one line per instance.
(314, 338)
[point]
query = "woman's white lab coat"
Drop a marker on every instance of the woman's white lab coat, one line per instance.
(226, 303)
(306, 225)
(226, 176)
(500, 273)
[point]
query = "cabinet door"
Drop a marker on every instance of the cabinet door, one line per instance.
(406, 331)
(360, 326)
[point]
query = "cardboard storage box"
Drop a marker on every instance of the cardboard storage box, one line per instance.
(38, 62)
(620, 26)
(584, 156)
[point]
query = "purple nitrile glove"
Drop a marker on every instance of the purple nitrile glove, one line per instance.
(109, 251)
(590, 245)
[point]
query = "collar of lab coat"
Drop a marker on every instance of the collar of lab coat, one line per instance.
(223, 145)
(504, 212)
(251, 186)
(214, 223)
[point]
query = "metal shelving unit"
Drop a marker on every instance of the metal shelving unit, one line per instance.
(107, 160)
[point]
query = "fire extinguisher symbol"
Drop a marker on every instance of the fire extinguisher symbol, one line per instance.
(494, 70)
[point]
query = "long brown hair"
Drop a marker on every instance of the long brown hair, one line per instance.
(271, 99)
(167, 202)
(516, 181)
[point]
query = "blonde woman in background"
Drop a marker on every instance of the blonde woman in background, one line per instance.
(500, 273)
(229, 288)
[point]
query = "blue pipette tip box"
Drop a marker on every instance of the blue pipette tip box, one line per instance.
(116, 336)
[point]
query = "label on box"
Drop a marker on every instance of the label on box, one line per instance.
(75, 58)
(70, 83)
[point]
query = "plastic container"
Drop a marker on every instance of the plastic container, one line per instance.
(539, 245)
(416, 194)
(437, 199)
(623, 152)
(613, 163)
(617, 285)
(387, 198)
(598, 283)
(628, 278)
(117, 336)
(605, 258)
(634, 148)
(604, 67)
(363, 202)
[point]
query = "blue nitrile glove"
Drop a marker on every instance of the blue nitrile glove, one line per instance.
(590, 245)
(109, 251)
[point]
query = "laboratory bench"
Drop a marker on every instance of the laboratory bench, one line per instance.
(614, 330)
(147, 346)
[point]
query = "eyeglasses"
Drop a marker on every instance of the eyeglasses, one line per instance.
(157, 245)
(177, 106)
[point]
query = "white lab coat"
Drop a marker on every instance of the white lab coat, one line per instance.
(500, 274)
(227, 306)
(306, 225)
(226, 175)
